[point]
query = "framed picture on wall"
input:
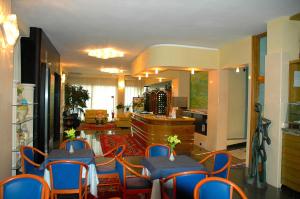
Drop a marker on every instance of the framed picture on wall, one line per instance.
(138, 104)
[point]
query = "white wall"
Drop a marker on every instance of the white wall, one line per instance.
(6, 77)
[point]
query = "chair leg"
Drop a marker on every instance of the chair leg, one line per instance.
(124, 195)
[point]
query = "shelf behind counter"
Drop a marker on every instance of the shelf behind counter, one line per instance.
(149, 128)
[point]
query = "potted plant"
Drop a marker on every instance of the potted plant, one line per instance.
(75, 101)
(173, 141)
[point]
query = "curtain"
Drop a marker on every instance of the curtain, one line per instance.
(130, 92)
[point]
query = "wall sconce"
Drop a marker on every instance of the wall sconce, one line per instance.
(140, 78)
(160, 79)
(147, 75)
(121, 84)
(156, 71)
(63, 78)
(9, 29)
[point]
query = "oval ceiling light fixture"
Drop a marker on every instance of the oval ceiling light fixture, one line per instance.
(111, 70)
(105, 53)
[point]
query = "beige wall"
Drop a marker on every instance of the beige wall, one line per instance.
(283, 46)
(236, 104)
(236, 53)
(175, 56)
(6, 77)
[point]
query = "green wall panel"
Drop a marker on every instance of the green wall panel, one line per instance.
(199, 90)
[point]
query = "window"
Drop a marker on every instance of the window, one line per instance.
(130, 92)
(100, 97)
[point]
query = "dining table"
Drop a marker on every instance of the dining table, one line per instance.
(160, 167)
(82, 155)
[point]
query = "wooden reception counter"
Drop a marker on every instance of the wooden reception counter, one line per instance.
(149, 128)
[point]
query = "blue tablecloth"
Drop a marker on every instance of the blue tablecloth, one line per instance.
(161, 167)
(83, 155)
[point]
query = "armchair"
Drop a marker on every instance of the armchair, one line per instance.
(215, 187)
(66, 178)
(221, 164)
(27, 160)
(78, 143)
(135, 183)
(182, 184)
(155, 150)
(24, 186)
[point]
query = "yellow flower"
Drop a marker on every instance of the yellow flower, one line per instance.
(70, 133)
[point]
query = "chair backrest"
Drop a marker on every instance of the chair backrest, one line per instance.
(222, 161)
(121, 170)
(184, 183)
(23, 187)
(66, 174)
(215, 187)
(155, 150)
(78, 143)
(119, 152)
(27, 159)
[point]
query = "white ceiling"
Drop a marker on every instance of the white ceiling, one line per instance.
(133, 25)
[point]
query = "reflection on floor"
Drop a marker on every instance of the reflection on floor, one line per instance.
(237, 174)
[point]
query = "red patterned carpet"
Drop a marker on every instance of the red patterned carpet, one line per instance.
(133, 148)
(96, 127)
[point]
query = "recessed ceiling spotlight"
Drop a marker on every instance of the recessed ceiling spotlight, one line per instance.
(105, 53)
(160, 79)
(111, 70)
(147, 75)
(156, 71)
(237, 70)
(140, 78)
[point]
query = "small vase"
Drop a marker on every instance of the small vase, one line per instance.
(71, 149)
(172, 158)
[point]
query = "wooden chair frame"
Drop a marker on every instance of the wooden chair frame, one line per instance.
(173, 177)
(45, 190)
(24, 157)
(109, 162)
(213, 155)
(64, 143)
(129, 166)
(147, 152)
(216, 179)
(83, 189)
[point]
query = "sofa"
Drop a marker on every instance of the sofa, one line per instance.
(123, 120)
(95, 116)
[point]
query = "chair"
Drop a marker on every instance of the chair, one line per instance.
(27, 160)
(24, 186)
(77, 143)
(182, 184)
(132, 184)
(106, 169)
(221, 164)
(215, 187)
(66, 178)
(155, 150)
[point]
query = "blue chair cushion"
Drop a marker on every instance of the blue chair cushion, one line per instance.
(106, 170)
(138, 183)
(156, 151)
(215, 190)
(22, 189)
